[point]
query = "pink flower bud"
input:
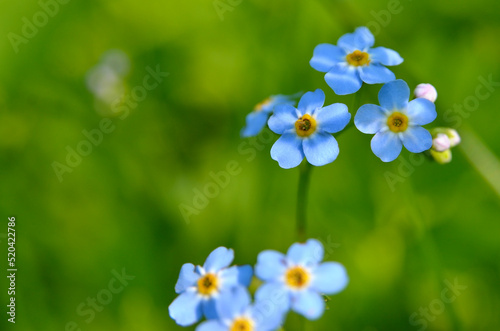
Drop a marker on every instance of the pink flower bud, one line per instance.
(426, 91)
(441, 142)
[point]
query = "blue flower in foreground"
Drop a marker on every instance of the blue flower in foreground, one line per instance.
(201, 287)
(306, 131)
(396, 122)
(297, 280)
(257, 119)
(353, 62)
(236, 314)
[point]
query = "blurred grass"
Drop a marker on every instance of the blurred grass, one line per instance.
(119, 208)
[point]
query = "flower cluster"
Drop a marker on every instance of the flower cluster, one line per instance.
(443, 140)
(307, 130)
(295, 281)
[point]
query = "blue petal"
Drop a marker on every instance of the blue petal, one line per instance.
(210, 309)
(325, 56)
(330, 278)
(232, 303)
(309, 253)
(275, 295)
(376, 74)
(220, 257)
(255, 122)
(271, 265)
(213, 325)
(245, 274)
(361, 39)
(394, 95)
(370, 118)
(186, 309)
(386, 145)
(320, 149)
(266, 316)
(229, 277)
(416, 139)
(283, 119)
(421, 111)
(287, 150)
(309, 304)
(187, 278)
(343, 79)
(386, 56)
(311, 101)
(333, 118)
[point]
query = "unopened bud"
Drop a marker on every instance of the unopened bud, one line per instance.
(453, 136)
(441, 157)
(426, 91)
(441, 142)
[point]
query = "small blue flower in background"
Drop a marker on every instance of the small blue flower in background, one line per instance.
(236, 314)
(396, 122)
(298, 279)
(257, 119)
(200, 288)
(353, 62)
(306, 130)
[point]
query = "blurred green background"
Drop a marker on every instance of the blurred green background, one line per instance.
(119, 208)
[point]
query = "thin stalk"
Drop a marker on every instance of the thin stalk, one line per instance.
(302, 198)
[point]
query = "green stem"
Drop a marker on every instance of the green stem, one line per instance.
(432, 256)
(302, 196)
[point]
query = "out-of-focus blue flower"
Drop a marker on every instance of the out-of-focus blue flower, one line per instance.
(354, 61)
(396, 122)
(200, 288)
(236, 314)
(106, 80)
(257, 119)
(296, 280)
(306, 131)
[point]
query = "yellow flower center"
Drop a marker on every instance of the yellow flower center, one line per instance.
(262, 104)
(207, 284)
(242, 324)
(397, 122)
(358, 58)
(297, 277)
(305, 126)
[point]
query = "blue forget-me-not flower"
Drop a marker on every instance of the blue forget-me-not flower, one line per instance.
(257, 119)
(306, 130)
(298, 279)
(353, 61)
(200, 287)
(237, 314)
(396, 122)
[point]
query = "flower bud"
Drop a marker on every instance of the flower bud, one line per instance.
(426, 91)
(441, 157)
(441, 142)
(453, 136)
